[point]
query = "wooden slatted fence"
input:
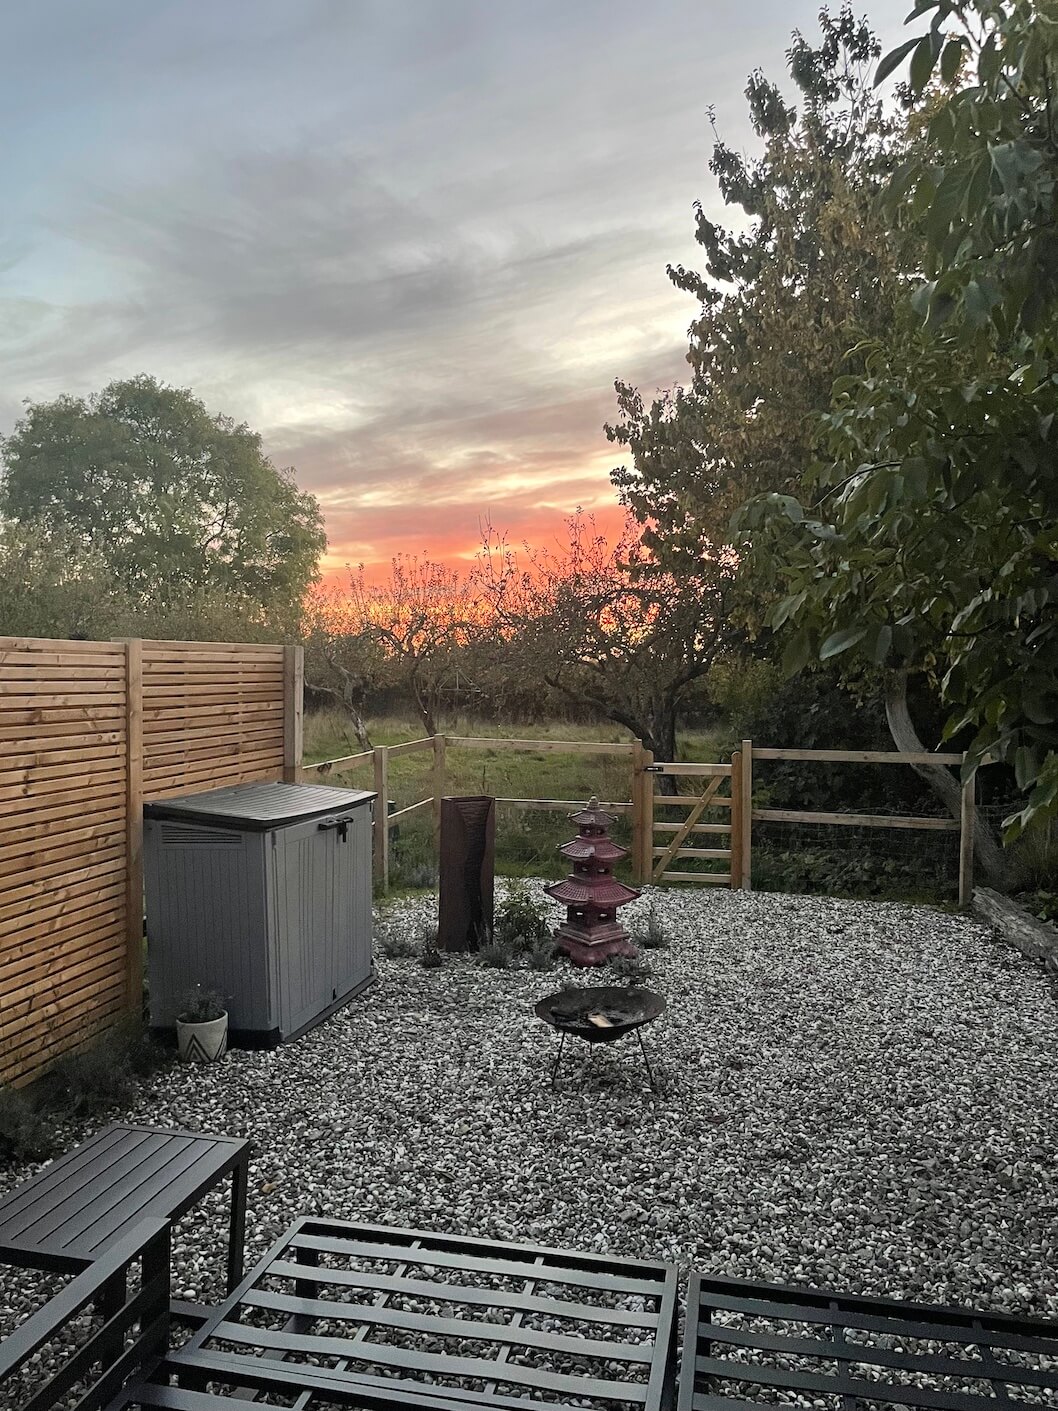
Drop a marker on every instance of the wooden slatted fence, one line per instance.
(90, 730)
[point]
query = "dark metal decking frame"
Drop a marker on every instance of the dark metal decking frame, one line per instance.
(744, 1343)
(361, 1269)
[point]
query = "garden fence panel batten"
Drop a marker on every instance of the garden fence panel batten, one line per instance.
(90, 730)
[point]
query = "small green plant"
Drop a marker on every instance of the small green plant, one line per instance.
(201, 1005)
(430, 956)
(654, 936)
(24, 1134)
(520, 922)
(541, 955)
(496, 955)
(397, 944)
(627, 970)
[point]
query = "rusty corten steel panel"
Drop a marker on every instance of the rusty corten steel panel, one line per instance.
(467, 870)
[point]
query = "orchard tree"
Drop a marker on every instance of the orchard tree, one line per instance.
(605, 626)
(418, 621)
(51, 586)
(172, 499)
(927, 539)
(807, 270)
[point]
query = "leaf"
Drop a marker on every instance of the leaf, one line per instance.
(1038, 706)
(796, 653)
(883, 644)
(893, 60)
(839, 642)
(922, 61)
(951, 58)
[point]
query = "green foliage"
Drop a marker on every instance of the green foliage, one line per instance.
(542, 955)
(520, 922)
(807, 270)
(653, 936)
(848, 871)
(172, 500)
(627, 970)
(496, 955)
(932, 542)
(1043, 905)
(25, 1135)
(396, 944)
(201, 1005)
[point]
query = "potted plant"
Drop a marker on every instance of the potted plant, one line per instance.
(202, 1026)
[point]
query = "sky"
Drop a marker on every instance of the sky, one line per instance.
(411, 242)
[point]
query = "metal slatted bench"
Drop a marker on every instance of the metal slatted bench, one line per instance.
(74, 1210)
(746, 1343)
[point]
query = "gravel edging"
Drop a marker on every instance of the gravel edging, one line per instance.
(853, 1094)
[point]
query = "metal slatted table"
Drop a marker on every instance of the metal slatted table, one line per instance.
(746, 1343)
(342, 1314)
(74, 1210)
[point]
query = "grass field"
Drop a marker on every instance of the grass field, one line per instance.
(525, 841)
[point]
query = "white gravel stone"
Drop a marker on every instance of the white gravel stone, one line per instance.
(855, 1095)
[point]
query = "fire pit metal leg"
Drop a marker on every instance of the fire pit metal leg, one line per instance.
(646, 1063)
(558, 1057)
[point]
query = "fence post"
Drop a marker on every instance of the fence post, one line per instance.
(293, 712)
(380, 837)
(747, 816)
(638, 819)
(967, 819)
(736, 820)
(438, 787)
(647, 791)
(134, 823)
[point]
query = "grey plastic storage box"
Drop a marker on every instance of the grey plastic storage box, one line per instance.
(263, 893)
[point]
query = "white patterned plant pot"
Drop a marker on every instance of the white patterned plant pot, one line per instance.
(202, 1043)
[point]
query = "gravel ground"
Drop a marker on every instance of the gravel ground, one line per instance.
(853, 1094)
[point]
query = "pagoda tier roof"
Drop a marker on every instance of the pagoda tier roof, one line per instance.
(603, 849)
(594, 891)
(593, 816)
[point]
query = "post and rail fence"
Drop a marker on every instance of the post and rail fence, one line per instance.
(721, 809)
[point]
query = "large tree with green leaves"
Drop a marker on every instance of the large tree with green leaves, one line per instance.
(806, 271)
(927, 538)
(171, 499)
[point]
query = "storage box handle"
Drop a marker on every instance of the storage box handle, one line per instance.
(341, 824)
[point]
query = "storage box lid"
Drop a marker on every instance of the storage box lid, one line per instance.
(260, 806)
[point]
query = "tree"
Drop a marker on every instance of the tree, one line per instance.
(604, 625)
(51, 587)
(341, 659)
(418, 622)
(171, 499)
(932, 538)
(808, 271)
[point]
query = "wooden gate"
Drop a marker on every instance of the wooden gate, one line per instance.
(675, 823)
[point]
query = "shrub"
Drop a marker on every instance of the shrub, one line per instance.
(627, 970)
(24, 1135)
(541, 955)
(200, 1005)
(396, 944)
(106, 1075)
(430, 956)
(520, 922)
(496, 954)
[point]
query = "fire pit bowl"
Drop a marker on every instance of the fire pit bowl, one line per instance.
(601, 1014)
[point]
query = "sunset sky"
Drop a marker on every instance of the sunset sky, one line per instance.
(412, 242)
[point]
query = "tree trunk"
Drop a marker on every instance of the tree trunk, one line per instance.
(659, 736)
(348, 699)
(943, 783)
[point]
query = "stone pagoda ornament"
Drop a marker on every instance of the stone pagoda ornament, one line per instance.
(591, 933)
